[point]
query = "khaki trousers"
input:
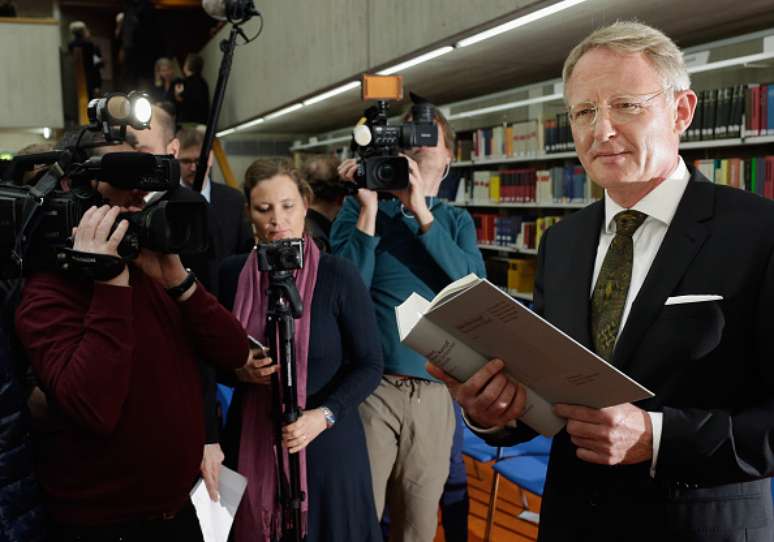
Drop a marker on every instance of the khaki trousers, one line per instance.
(409, 425)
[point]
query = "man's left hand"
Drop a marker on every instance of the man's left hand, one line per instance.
(210, 467)
(618, 435)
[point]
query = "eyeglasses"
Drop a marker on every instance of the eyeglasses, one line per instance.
(622, 109)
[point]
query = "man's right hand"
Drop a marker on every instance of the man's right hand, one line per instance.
(489, 398)
(93, 236)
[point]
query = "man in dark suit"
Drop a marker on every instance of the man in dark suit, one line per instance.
(671, 279)
(229, 228)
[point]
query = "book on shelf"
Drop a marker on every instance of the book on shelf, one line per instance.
(472, 321)
(511, 231)
(754, 174)
(559, 184)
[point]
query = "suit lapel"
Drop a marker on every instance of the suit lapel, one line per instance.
(685, 236)
(577, 273)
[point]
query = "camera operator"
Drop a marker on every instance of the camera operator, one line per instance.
(160, 139)
(414, 243)
(117, 361)
(338, 363)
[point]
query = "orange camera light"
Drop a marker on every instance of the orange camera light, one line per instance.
(382, 87)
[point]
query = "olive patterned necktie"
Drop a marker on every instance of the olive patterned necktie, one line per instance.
(609, 297)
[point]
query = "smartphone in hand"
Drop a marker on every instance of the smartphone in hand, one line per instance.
(255, 344)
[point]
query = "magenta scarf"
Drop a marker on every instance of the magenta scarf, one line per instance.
(258, 517)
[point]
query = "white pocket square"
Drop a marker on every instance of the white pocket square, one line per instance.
(682, 299)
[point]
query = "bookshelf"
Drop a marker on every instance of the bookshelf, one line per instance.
(509, 248)
(718, 71)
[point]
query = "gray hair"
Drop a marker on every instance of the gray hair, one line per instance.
(631, 37)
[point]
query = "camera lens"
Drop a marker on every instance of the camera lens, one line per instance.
(385, 172)
(422, 113)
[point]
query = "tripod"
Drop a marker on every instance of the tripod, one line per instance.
(284, 306)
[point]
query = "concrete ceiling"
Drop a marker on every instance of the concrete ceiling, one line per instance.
(535, 53)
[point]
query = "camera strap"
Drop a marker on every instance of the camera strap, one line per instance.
(88, 264)
(40, 192)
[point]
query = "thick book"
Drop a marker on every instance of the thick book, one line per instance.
(472, 321)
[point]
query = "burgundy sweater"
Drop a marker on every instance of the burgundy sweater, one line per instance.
(126, 432)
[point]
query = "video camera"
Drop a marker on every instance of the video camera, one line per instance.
(37, 219)
(378, 143)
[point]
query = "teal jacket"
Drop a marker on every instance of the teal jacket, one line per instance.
(400, 260)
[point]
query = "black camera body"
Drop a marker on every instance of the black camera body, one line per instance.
(282, 255)
(378, 144)
(36, 220)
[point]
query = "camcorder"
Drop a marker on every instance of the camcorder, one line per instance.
(379, 143)
(282, 255)
(37, 218)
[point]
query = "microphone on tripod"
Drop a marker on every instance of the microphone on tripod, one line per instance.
(230, 10)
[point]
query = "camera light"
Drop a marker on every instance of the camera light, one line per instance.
(142, 110)
(46, 133)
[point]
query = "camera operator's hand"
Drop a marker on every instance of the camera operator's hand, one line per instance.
(297, 435)
(413, 198)
(167, 269)
(258, 369)
(369, 199)
(93, 236)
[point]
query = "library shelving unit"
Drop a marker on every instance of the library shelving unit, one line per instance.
(729, 140)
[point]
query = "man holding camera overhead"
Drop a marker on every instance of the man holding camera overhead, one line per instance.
(413, 243)
(116, 357)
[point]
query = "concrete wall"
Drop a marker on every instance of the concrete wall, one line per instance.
(30, 81)
(307, 46)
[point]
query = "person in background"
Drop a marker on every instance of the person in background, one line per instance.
(192, 94)
(7, 8)
(670, 278)
(338, 363)
(165, 77)
(413, 243)
(228, 224)
(321, 172)
(91, 55)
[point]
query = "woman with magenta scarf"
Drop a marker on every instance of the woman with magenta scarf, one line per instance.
(338, 364)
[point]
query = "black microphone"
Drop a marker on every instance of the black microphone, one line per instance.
(232, 10)
(129, 170)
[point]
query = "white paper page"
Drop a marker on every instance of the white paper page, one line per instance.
(454, 288)
(461, 362)
(409, 312)
(216, 518)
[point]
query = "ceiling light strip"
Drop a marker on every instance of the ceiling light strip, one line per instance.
(520, 21)
(284, 111)
(334, 92)
(416, 60)
(503, 107)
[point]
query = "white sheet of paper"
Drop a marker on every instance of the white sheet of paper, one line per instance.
(216, 518)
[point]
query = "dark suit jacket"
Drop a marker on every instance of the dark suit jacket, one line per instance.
(229, 233)
(710, 365)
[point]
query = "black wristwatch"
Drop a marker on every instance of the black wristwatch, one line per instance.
(176, 291)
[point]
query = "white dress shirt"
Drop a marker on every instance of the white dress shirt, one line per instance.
(659, 205)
